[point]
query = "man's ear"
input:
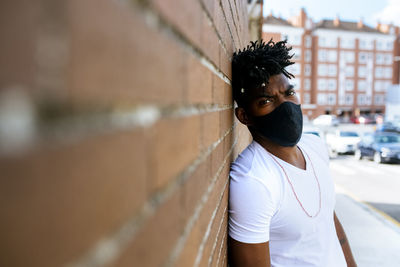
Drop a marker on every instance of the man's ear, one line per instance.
(242, 116)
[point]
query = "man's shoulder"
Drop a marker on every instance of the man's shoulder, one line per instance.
(251, 160)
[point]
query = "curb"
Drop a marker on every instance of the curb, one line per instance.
(378, 214)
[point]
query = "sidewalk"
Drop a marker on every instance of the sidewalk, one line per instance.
(373, 236)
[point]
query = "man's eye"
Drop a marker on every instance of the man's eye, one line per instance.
(264, 101)
(290, 93)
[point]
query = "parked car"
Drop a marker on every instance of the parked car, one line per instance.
(310, 129)
(340, 141)
(379, 146)
(389, 126)
(326, 120)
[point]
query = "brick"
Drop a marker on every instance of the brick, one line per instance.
(216, 158)
(189, 253)
(228, 142)
(18, 25)
(210, 6)
(199, 82)
(209, 41)
(210, 123)
(222, 92)
(220, 240)
(175, 144)
(155, 240)
(207, 252)
(195, 187)
(108, 63)
(229, 20)
(226, 120)
(57, 202)
(225, 64)
(187, 21)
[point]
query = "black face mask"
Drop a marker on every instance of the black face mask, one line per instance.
(283, 125)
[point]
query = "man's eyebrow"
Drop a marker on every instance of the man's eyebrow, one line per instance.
(290, 87)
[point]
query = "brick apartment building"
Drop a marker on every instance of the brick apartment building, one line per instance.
(342, 68)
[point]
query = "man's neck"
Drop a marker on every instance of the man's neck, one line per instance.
(291, 155)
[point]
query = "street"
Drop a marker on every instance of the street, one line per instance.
(373, 183)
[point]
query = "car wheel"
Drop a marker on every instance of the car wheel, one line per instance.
(377, 157)
(357, 154)
(332, 153)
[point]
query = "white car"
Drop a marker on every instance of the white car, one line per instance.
(326, 120)
(340, 141)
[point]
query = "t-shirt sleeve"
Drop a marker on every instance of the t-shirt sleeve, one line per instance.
(251, 207)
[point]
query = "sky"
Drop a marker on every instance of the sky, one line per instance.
(371, 11)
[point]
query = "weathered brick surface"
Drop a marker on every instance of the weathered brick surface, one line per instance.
(109, 63)
(199, 82)
(175, 143)
(162, 169)
(57, 202)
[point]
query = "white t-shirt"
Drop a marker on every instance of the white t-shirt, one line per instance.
(263, 207)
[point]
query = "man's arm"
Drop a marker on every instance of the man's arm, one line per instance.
(344, 243)
(248, 255)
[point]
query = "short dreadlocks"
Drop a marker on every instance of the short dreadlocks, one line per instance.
(256, 64)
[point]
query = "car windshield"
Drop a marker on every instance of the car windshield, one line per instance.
(348, 134)
(384, 139)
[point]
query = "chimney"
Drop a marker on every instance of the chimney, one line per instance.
(378, 26)
(360, 24)
(303, 17)
(336, 21)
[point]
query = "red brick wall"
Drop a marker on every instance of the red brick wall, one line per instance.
(128, 131)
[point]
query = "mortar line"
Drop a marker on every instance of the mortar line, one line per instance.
(106, 250)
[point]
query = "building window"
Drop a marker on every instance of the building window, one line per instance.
(361, 100)
(378, 72)
(378, 86)
(331, 99)
(294, 69)
(349, 85)
(362, 57)
(321, 99)
(366, 44)
(322, 55)
(327, 41)
(349, 99)
(331, 84)
(322, 70)
(380, 45)
(362, 71)
(387, 72)
(296, 53)
(379, 99)
(388, 59)
(332, 56)
(307, 98)
(347, 43)
(308, 41)
(379, 58)
(307, 57)
(294, 39)
(362, 85)
(307, 70)
(307, 84)
(389, 45)
(332, 70)
(350, 71)
(349, 56)
(322, 85)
